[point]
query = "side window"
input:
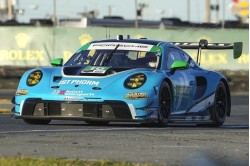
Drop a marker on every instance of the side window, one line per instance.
(81, 57)
(189, 60)
(173, 55)
(186, 57)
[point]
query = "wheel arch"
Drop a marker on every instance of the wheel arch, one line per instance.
(164, 111)
(224, 81)
(169, 82)
(171, 89)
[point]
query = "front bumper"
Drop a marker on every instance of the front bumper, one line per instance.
(109, 110)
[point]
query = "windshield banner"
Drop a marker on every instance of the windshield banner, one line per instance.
(122, 46)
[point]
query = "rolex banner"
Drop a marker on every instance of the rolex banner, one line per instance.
(36, 46)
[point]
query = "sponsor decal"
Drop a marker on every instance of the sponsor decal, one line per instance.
(22, 40)
(153, 116)
(70, 98)
(150, 109)
(136, 95)
(198, 118)
(71, 93)
(94, 69)
(79, 82)
(22, 54)
(22, 92)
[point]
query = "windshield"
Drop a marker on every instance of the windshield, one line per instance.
(114, 58)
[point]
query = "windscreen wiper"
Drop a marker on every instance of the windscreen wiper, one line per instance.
(109, 56)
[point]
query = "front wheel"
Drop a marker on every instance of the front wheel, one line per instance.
(165, 104)
(37, 121)
(219, 111)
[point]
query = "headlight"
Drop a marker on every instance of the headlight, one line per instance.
(34, 78)
(135, 81)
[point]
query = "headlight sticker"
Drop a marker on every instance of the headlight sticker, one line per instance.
(34, 78)
(135, 81)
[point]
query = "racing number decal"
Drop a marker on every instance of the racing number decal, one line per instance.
(94, 69)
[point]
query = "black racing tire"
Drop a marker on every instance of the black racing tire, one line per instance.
(37, 121)
(219, 110)
(97, 123)
(165, 104)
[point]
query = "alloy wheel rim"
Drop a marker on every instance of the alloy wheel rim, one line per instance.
(221, 102)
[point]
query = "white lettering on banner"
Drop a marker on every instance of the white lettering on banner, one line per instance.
(79, 82)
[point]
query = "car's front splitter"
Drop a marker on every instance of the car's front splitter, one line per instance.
(36, 108)
(77, 118)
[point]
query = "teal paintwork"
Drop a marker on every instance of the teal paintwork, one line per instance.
(185, 82)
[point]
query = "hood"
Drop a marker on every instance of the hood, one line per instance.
(72, 77)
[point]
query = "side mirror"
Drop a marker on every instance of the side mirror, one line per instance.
(56, 62)
(179, 65)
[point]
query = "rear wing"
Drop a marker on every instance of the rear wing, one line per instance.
(203, 44)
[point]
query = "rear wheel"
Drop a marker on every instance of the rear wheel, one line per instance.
(165, 104)
(219, 112)
(36, 121)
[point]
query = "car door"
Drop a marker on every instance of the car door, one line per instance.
(182, 80)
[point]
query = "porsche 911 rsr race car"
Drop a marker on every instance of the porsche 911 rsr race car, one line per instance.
(134, 80)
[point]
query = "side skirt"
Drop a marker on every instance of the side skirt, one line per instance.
(190, 119)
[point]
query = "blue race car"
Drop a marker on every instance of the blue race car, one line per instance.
(131, 80)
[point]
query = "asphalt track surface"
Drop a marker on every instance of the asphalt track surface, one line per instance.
(180, 144)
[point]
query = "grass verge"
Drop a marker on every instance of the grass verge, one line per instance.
(27, 161)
